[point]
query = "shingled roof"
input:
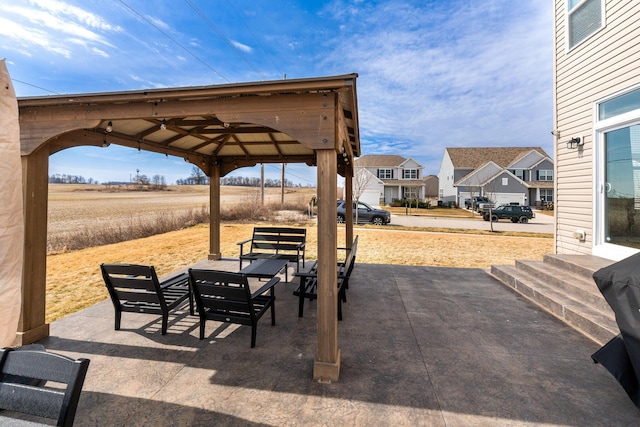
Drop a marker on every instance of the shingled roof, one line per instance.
(379, 161)
(472, 158)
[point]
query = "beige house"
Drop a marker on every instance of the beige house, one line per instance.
(597, 127)
(389, 177)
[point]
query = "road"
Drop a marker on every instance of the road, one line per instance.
(540, 224)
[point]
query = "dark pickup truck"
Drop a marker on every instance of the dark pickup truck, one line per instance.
(515, 213)
(474, 202)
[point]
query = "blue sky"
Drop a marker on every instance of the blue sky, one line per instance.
(432, 73)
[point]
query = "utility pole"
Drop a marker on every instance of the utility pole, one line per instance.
(282, 186)
(262, 183)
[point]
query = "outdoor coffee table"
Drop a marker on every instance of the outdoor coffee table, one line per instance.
(266, 268)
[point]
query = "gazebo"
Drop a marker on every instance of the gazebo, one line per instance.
(217, 128)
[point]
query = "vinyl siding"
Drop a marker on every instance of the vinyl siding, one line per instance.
(605, 63)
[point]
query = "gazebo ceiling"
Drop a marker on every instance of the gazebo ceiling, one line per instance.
(232, 125)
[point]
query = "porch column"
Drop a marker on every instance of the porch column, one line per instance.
(348, 197)
(214, 213)
(326, 367)
(35, 186)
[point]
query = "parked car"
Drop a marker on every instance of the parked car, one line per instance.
(473, 203)
(515, 213)
(365, 214)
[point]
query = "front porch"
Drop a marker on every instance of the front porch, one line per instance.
(419, 346)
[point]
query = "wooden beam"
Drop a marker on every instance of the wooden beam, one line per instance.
(326, 367)
(35, 171)
(214, 212)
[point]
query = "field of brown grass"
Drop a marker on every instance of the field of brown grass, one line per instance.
(74, 281)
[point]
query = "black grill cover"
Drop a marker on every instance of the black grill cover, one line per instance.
(619, 283)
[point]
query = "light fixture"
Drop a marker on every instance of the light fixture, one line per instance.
(575, 142)
(163, 124)
(105, 143)
(225, 124)
(109, 127)
(139, 146)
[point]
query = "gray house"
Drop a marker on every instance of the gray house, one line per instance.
(391, 177)
(522, 175)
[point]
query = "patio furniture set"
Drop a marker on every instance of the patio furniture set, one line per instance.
(221, 295)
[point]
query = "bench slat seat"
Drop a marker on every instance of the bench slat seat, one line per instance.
(275, 243)
(308, 288)
(24, 390)
(136, 289)
(226, 297)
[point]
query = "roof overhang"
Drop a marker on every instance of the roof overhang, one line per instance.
(231, 125)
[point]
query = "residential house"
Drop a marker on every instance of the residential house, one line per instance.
(522, 175)
(431, 187)
(597, 127)
(388, 177)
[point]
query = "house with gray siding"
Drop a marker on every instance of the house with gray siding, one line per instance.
(392, 177)
(597, 127)
(522, 175)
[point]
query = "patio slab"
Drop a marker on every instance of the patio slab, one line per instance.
(420, 346)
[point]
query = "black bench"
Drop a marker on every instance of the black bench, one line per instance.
(136, 289)
(226, 297)
(308, 287)
(275, 242)
(24, 390)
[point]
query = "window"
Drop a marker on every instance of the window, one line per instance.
(385, 173)
(619, 105)
(505, 181)
(410, 193)
(410, 174)
(584, 17)
(519, 173)
(545, 175)
(546, 195)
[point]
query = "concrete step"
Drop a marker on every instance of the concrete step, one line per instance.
(563, 286)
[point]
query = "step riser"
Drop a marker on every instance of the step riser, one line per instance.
(553, 277)
(588, 327)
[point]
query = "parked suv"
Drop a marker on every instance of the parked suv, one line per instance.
(473, 203)
(515, 213)
(365, 213)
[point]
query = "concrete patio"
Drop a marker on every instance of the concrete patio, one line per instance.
(419, 346)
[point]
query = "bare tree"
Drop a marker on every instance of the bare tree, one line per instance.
(362, 178)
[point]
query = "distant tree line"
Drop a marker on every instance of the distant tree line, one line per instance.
(70, 179)
(254, 182)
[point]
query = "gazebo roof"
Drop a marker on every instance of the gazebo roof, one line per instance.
(235, 125)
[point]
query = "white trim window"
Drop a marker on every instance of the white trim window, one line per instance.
(584, 18)
(385, 173)
(409, 173)
(545, 175)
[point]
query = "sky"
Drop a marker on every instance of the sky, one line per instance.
(432, 74)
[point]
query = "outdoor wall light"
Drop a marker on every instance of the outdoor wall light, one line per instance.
(109, 127)
(574, 143)
(163, 124)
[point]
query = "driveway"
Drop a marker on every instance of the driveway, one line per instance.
(542, 223)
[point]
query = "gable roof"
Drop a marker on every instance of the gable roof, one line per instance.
(375, 160)
(471, 158)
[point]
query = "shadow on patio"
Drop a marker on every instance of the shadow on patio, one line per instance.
(420, 346)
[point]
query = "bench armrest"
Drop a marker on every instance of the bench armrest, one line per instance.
(179, 279)
(243, 242)
(269, 285)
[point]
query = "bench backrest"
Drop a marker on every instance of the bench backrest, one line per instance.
(222, 295)
(133, 283)
(278, 238)
(23, 374)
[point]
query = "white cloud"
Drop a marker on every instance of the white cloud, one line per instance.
(242, 47)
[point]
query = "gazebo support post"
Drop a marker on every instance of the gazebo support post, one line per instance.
(348, 197)
(214, 213)
(35, 185)
(326, 367)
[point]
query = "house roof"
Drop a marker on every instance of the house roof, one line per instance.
(472, 158)
(377, 160)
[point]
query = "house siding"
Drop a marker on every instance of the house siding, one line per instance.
(603, 64)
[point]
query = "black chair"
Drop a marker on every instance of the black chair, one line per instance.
(226, 297)
(136, 289)
(26, 378)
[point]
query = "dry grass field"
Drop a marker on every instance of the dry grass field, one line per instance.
(74, 281)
